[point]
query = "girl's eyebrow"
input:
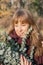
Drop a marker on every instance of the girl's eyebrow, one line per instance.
(22, 21)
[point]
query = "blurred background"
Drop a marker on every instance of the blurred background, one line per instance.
(8, 8)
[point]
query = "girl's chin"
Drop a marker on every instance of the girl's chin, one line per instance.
(21, 36)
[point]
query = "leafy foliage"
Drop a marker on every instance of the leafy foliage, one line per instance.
(37, 5)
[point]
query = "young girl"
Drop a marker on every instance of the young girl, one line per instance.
(22, 22)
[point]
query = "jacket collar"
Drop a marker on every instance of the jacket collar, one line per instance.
(17, 38)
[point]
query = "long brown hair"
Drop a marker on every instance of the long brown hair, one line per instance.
(26, 16)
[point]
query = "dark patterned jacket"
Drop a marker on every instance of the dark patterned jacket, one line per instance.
(5, 54)
(38, 59)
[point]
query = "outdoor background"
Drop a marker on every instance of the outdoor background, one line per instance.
(8, 8)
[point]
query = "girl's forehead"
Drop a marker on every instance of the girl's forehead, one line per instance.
(21, 20)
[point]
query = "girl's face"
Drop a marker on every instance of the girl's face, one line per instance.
(21, 28)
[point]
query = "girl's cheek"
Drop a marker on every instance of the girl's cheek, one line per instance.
(16, 29)
(25, 27)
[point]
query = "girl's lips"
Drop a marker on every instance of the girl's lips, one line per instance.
(21, 33)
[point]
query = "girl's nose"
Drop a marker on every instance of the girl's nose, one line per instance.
(20, 28)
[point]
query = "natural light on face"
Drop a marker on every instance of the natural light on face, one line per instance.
(21, 28)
